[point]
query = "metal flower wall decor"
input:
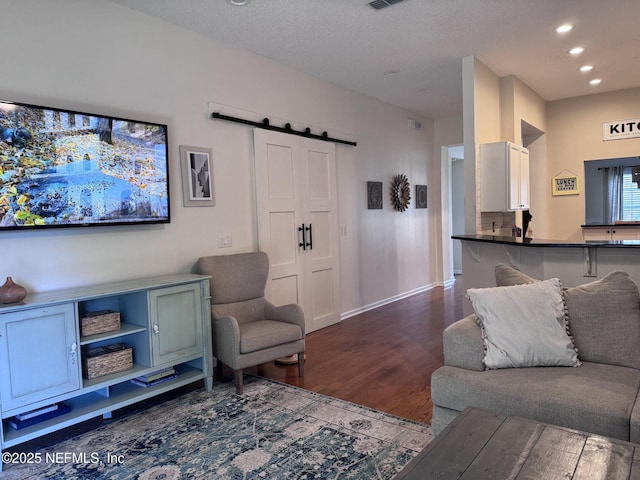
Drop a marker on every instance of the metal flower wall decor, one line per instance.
(400, 192)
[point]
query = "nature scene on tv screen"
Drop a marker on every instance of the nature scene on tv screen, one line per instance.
(61, 168)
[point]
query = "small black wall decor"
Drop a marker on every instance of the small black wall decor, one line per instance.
(374, 195)
(400, 192)
(421, 196)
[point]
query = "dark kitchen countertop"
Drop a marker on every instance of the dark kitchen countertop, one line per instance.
(613, 225)
(540, 242)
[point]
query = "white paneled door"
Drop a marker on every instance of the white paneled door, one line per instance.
(296, 195)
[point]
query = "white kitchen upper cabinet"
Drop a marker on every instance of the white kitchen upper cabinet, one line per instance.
(518, 177)
(504, 177)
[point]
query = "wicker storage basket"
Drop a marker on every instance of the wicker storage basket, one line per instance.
(105, 360)
(99, 322)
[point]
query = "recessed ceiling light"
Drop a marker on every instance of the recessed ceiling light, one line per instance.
(595, 81)
(391, 73)
(238, 3)
(586, 68)
(564, 28)
(576, 50)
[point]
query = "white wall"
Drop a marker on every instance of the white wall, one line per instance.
(482, 120)
(495, 109)
(448, 132)
(103, 58)
(575, 135)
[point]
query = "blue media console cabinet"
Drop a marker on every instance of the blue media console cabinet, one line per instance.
(164, 320)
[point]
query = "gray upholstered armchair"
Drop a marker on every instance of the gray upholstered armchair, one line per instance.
(247, 329)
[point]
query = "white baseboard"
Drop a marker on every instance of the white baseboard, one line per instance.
(386, 301)
(448, 283)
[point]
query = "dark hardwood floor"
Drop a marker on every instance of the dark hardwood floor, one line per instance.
(382, 358)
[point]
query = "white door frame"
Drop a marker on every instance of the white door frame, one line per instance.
(446, 157)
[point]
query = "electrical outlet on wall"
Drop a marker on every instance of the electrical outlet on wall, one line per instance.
(225, 240)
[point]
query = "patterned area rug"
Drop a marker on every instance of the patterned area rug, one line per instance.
(273, 431)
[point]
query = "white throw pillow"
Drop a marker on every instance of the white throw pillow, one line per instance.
(524, 325)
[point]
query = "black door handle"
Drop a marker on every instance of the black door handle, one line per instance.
(310, 244)
(304, 237)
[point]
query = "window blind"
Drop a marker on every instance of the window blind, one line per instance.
(630, 197)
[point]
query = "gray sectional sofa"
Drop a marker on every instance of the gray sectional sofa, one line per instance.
(599, 396)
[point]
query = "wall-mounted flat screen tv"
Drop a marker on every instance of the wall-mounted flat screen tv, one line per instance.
(61, 168)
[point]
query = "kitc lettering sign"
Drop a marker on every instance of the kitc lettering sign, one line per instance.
(621, 129)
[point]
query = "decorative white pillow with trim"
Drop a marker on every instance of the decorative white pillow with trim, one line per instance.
(524, 325)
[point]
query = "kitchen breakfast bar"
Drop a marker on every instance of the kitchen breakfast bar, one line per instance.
(573, 263)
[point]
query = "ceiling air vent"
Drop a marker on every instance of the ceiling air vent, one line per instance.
(380, 4)
(415, 124)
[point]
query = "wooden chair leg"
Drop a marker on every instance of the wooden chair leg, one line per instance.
(301, 364)
(239, 386)
(219, 367)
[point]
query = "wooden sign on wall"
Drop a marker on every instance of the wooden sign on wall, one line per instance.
(565, 185)
(621, 130)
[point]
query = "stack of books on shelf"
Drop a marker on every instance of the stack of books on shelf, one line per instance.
(155, 377)
(32, 417)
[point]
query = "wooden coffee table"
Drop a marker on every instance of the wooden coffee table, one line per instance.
(483, 445)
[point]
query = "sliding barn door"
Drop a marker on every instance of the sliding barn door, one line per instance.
(296, 195)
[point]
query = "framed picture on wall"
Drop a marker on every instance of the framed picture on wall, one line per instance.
(197, 177)
(374, 195)
(565, 185)
(421, 196)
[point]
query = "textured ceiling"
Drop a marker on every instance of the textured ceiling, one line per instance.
(350, 44)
